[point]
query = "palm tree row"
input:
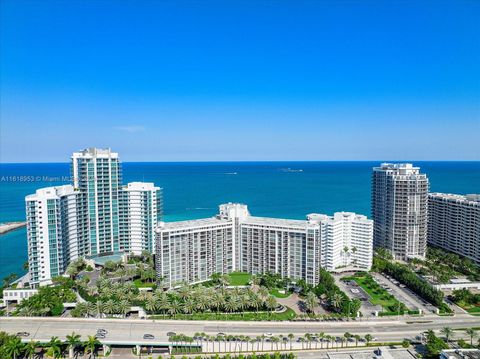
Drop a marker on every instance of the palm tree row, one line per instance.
(55, 348)
(102, 308)
(199, 299)
(238, 343)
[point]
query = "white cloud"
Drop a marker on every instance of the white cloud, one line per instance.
(130, 128)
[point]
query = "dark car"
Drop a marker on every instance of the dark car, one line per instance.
(148, 336)
(102, 331)
(171, 334)
(23, 334)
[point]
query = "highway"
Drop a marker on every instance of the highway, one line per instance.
(128, 332)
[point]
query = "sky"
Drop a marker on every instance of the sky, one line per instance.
(240, 80)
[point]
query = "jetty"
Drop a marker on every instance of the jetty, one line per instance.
(11, 226)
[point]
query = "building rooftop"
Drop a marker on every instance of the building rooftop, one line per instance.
(277, 222)
(475, 198)
(194, 223)
(461, 354)
(95, 152)
(140, 186)
(51, 192)
(404, 169)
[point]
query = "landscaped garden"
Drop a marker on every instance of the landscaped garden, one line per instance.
(333, 298)
(467, 300)
(441, 266)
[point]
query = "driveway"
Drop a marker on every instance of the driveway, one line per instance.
(296, 303)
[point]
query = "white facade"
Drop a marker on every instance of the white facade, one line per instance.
(454, 223)
(18, 295)
(93, 217)
(399, 209)
(346, 240)
(51, 231)
(191, 251)
(96, 172)
(140, 208)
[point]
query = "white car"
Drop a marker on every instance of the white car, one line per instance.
(268, 334)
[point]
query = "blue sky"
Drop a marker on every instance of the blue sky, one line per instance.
(240, 80)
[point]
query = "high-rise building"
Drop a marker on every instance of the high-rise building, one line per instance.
(399, 209)
(191, 251)
(52, 231)
(94, 217)
(346, 240)
(454, 223)
(140, 211)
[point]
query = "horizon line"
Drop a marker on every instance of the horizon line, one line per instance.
(255, 161)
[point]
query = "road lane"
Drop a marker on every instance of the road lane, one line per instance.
(128, 331)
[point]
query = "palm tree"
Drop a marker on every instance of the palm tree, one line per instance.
(347, 336)
(30, 348)
(290, 338)
(263, 293)
(99, 305)
(357, 338)
(54, 347)
(184, 292)
(447, 332)
(271, 303)
(73, 341)
(368, 338)
(124, 307)
(311, 301)
(151, 305)
(174, 307)
(91, 345)
(232, 304)
(110, 306)
(14, 347)
(301, 340)
(472, 333)
(336, 300)
(244, 302)
(189, 306)
(321, 336)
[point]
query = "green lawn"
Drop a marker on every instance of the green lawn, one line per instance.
(276, 293)
(239, 278)
(472, 309)
(378, 296)
(248, 316)
(139, 284)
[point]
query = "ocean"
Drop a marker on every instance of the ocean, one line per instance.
(194, 190)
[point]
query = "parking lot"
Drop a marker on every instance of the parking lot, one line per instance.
(356, 292)
(403, 294)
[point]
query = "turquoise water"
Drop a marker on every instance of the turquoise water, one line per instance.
(194, 190)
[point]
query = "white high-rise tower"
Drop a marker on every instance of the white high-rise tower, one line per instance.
(97, 174)
(399, 209)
